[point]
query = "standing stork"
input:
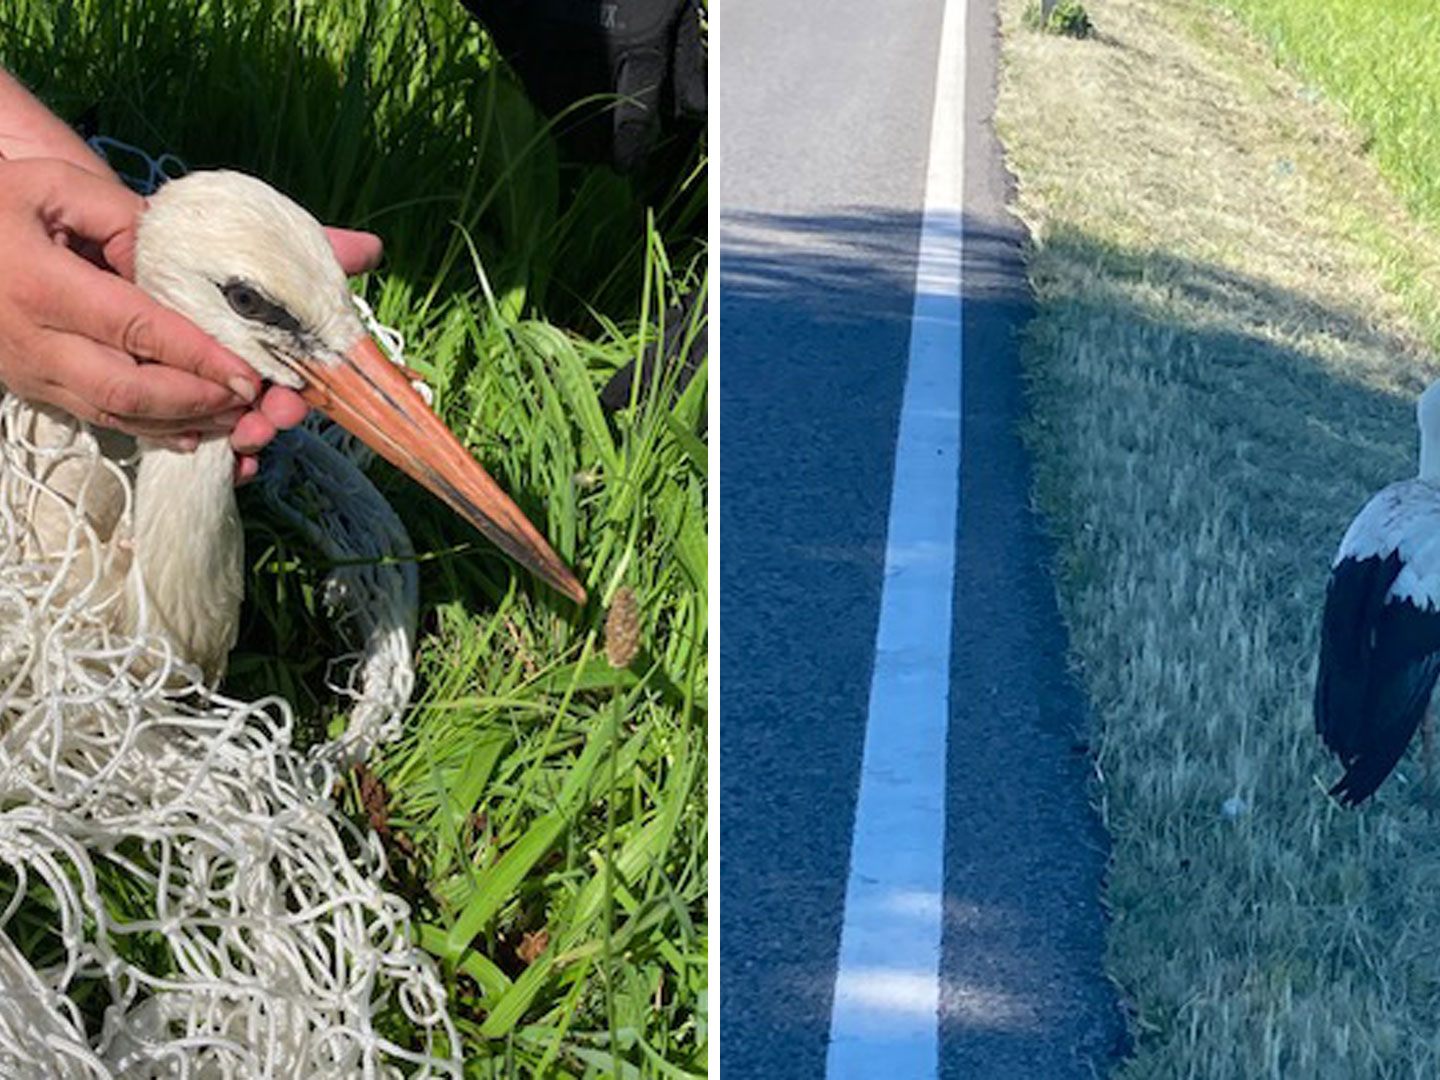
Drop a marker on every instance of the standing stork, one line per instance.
(1380, 637)
(256, 272)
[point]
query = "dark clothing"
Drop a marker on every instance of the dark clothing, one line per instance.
(618, 73)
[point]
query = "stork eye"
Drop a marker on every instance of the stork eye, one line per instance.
(246, 302)
(249, 303)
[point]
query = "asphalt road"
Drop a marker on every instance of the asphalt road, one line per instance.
(825, 120)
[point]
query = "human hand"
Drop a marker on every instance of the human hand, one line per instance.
(88, 341)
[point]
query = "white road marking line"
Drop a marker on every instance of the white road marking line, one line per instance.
(885, 1018)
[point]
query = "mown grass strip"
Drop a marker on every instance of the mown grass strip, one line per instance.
(1221, 371)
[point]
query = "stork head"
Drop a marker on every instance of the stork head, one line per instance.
(256, 272)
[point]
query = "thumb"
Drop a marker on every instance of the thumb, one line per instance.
(67, 197)
(119, 252)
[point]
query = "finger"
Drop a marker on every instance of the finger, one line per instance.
(283, 407)
(246, 469)
(71, 198)
(114, 312)
(174, 436)
(181, 444)
(221, 424)
(64, 399)
(355, 251)
(116, 387)
(119, 253)
(99, 211)
(169, 431)
(252, 434)
(181, 441)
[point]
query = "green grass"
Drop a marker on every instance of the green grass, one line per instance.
(550, 809)
(1222, 369)
(1380, 64)
(1377, 63)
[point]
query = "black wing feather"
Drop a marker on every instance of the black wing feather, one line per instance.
(1353, 601)
(1379, 661)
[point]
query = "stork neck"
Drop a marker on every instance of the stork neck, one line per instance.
(172, 489)
(1427, 419)
(1429, 458)
(184, 504)
(189, 548)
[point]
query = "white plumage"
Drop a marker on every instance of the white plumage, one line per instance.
(256, 272)
(1404, 518)
(1380, 635)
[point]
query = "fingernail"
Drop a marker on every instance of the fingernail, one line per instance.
(244, 389)
(186, 444)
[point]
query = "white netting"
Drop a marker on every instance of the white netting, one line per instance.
(189, 901)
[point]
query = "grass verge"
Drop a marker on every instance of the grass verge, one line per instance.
(1379, 63)
(1233, 321)
(545, 812)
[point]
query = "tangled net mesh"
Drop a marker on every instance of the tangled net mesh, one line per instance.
(189, 899)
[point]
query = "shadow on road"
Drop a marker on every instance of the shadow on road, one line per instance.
(815, 318)
(814, 334)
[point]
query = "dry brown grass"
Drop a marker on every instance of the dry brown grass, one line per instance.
(1234, 319)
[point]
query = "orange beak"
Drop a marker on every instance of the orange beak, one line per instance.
(373, 399)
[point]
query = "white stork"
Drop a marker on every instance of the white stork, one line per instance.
(256, 272)
(1380, 637)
